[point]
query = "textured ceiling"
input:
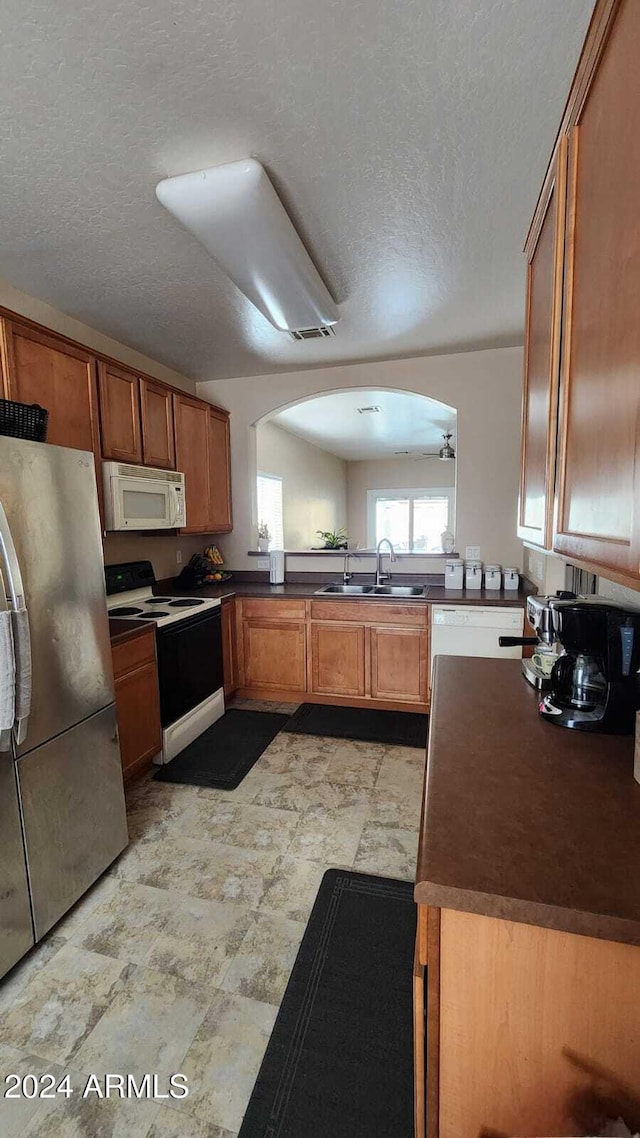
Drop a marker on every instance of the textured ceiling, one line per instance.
(408, 139)
(404, 422)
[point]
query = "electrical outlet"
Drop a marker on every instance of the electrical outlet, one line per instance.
(263, 563)
(472, 553)
(178, 557)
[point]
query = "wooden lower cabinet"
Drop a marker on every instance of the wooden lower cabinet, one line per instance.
(275, 654)
(229, 647)
(399, 663)
(522, 1025)
(337, 659)
(137, 703)
(360, 654)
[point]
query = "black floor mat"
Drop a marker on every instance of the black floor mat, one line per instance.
(226, 752)
(399, 728)
(340, 1059)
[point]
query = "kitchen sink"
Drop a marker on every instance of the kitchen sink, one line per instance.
(348, 589)
(400, 590)
(376, 590)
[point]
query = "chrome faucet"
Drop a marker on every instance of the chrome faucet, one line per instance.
(380, 576)
(347, 575)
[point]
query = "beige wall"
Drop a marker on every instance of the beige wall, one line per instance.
(484, 387)
(389, 474)
(43, 313)
(160, 551)
(314, 484)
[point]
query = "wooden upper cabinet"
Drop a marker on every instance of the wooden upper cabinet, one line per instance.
(599, 445)
(545, 250)
(156, 411)
(220, 517)
(191, 424)
(119, 414)
(41, 368)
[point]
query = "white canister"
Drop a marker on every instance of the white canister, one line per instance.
(473, 575)
(492, 576)
(454, 573)
(511, 578)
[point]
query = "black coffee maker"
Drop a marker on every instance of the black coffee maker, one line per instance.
(595, 685)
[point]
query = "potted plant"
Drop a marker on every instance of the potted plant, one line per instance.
(337, 540)
(264, 537)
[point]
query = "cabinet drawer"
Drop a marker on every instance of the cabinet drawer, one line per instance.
(133, 653)
(371, 612)
(278, 608)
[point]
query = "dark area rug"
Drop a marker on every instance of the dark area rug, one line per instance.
(401, 728)
(226, 752)
(339, 1063)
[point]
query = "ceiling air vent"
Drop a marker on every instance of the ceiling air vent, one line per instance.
(313, 333)
(369, 410)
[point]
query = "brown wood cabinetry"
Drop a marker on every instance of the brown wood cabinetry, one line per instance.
(507, 1009)
(399, 664)
(360, 653)
(137, 702)
(220, 517)
(275, 654)
(542, 361)
(599, 444)
(229, 647)
(584, 278)
(119, 414)
(41, 368)
(338, 659)
(156, 410)
(191, 422)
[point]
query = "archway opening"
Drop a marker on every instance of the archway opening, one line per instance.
(347, 468)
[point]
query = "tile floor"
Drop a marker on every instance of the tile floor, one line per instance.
(177, 959)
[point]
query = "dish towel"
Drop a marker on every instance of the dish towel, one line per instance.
(22, 649)
(7, 673)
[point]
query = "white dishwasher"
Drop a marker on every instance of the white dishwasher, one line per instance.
(473, 630)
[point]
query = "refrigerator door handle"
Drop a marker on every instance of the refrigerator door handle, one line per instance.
(20, 622)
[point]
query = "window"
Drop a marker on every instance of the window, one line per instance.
(270, 508)
(412, 520)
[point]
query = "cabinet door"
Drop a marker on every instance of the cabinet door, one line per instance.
(138, 708)
(191, 421)
(157, 425)
(229, 647)
(599, 472)
(338, 659)
(119, 414)
(399, 664)
(541, 364)
(220, 519)
(41, 368)
(274, 654)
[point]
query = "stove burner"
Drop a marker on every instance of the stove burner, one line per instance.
(158, 601)
(154, 615)
(125, 612)
(184, 604)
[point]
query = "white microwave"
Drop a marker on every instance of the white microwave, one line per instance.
(141, 497)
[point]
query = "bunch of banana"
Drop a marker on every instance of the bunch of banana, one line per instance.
(214, 555)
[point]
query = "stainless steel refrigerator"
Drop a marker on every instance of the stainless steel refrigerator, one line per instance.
(62, 811)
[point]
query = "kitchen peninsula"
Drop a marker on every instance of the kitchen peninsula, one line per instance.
(529, 915)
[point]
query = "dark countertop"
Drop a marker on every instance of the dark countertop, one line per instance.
(436, 594)
(122, 630)
(524, 820)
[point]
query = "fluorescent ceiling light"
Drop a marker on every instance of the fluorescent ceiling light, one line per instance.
(234, 211)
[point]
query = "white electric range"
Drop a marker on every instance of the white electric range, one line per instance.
(189, 651)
